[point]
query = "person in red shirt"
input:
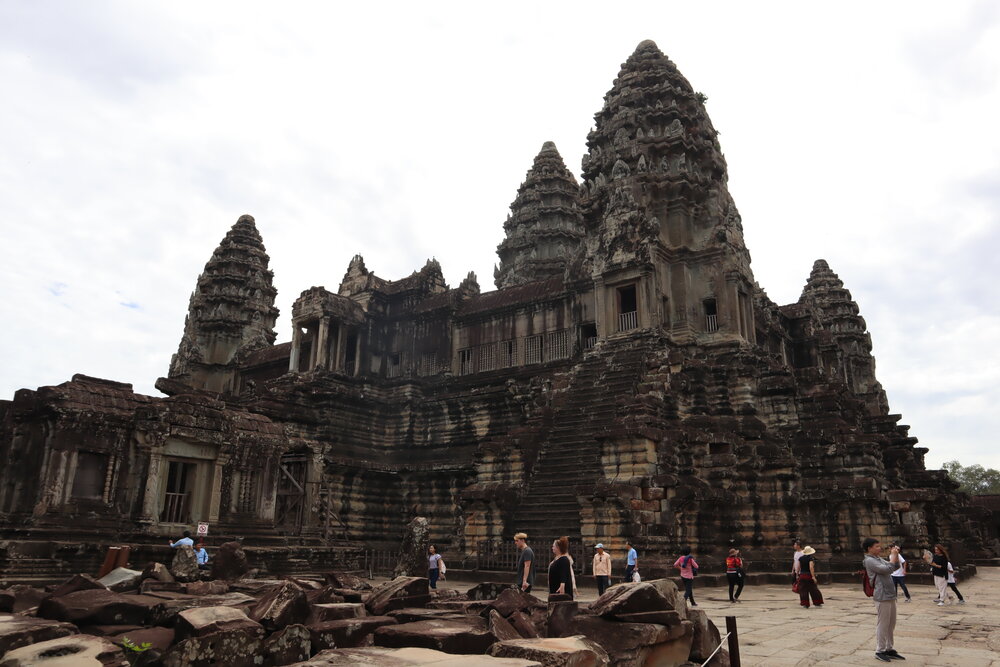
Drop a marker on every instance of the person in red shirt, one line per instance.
(689, 568)
(734, 573)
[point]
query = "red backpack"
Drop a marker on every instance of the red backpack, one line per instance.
(867, 585)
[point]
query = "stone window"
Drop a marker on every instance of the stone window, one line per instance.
(488, 357)
(428, 363)
(393, 370)
(177, 498)
(628, 306)
(507, 353)
(533, 350)
(711, 315)
(466, 362)
(588, 335)
(557, 345)
(91, 469)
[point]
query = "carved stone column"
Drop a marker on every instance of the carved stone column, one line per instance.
(293, 359)
(322, 343)
(151, 498)
(215, 499)
(601, 310)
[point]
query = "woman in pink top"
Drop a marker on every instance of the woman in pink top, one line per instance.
(689, 568)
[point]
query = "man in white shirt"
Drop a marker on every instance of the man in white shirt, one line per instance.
(899, 576)
(796, 568)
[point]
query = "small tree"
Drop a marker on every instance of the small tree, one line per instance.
(975, 479)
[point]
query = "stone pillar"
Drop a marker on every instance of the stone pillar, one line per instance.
(322, 343)
(601, 310)
(268, 490)
(644, 302)
(215, 499)
(293, 359)
(340, 350)
(151, 499)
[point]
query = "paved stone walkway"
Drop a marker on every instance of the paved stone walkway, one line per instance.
(775, 631)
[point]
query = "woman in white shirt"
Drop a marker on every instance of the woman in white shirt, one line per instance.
(899, 576)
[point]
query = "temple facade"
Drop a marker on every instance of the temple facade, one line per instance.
(627, 379)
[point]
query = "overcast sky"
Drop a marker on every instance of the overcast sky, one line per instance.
(133, 135)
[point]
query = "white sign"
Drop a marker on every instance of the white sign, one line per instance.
(203, 529)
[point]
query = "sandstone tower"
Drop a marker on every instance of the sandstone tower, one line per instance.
(231, 312)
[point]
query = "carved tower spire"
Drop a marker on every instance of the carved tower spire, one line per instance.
(656, 204)
(545, 226)
(231, 312)
(843, 344)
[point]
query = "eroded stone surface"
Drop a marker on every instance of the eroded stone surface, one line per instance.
(97, 607)
(282, 605)
(349, 632)
(467, 635)
(230, 562)
(17, 631)
(408, 657)
(202, 621)
(399, 593)
(71, 651)
(576, 651)
(121, 579)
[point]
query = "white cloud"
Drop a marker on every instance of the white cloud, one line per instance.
(135, 135)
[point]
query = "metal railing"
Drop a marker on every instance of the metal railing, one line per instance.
(175, 508)
(628, 321)
(711, 323)
(590, 342)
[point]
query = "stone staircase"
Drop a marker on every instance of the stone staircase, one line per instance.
(570, 455)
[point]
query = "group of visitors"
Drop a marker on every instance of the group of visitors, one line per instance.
(200, 552)
(562, 580)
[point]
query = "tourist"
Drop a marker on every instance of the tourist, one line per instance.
(689, 568)
(184, 541)
(561, 569)
(953, 583)
(631, 562)
(899, 576)
(796, 568)
(435, 566)
(808, 584)
(734, 573)
(602, 569)
(939, 568)
(525, 563)
(201, 553)
(879, 571)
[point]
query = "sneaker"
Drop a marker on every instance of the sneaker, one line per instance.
(961, 602)
(906, 600)
(940, 604)
(818, 606)
(694, 604)
(893, 654)
(883, 657)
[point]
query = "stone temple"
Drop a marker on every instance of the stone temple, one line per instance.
(627, 379)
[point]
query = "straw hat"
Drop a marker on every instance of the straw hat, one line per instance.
(808, 551)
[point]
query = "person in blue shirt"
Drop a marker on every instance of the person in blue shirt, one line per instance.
(631, 562)
(186, 540)
(202, 554)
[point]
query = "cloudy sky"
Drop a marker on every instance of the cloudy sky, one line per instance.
(133, 135)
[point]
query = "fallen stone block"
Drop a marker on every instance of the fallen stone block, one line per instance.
(336, 611)
(157, 571)
(154, 585)
(287, 646)
(674, 597)
(347, 580)
(329, 594)
(500, 628)
(121, 579)
(159, 639)
(230, 562)
(488, 590)
(206, 588)
(97, 607)
(706, 636)
(414, 614)
(108, 630)
(184, 566)
(559, 619)
(511, 600)
(165, 612)
(349, 632)
(462, 606)
(78, 582)
(7, 600)
(577, 651)
(306, 584)
(629, 599)
(281, 606)
(233, 648)
(67, 651)
(626, 643)
(668, 618)
(26, 597)
(408, 657)
(399, 593)
(522, 623)
(17, 631)
(469, 635)
(202, 621)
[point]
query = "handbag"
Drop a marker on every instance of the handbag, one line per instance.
(635, 577)
(795, 586)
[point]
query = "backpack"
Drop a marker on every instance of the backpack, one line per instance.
(867, 585)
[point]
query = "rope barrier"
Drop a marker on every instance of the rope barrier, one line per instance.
(716, 649)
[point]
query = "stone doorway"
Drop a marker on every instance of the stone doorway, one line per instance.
(291, 493)
(181, 478)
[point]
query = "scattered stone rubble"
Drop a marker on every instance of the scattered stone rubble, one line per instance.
(398, 622)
